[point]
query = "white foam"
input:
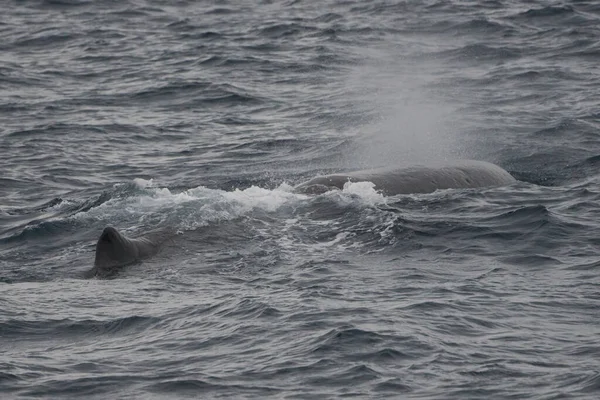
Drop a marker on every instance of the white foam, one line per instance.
(258, 198)
(163, 197)
(365, 191)
(201, 206)
(143, 183)
(193, 207)
(65, 203)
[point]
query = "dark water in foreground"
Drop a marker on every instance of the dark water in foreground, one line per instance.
(200, 116)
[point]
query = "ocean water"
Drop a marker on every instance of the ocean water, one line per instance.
(200, 116)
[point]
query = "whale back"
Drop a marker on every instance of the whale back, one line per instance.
(114, 249)
(417, 179)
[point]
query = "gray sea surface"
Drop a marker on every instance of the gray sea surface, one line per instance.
(200, 117)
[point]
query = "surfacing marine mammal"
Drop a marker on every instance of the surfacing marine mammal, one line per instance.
(114, 250)
(416, 179)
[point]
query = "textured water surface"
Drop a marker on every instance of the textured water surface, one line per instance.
(199, 117)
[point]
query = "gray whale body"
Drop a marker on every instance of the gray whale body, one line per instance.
(114, 250)
(417, 179)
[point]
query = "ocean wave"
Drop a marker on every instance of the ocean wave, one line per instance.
(202, 117)
(40, 329)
